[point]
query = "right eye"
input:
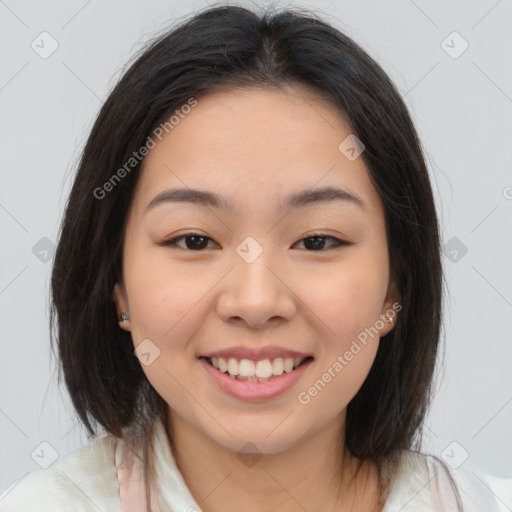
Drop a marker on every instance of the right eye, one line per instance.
(193, 241)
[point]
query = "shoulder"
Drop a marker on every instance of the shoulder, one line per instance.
(426, 482)
(87, 478)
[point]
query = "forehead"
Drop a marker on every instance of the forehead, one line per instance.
(252, 145)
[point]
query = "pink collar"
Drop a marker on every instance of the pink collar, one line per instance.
(130, 474)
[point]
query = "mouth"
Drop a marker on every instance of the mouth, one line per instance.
(262, 370)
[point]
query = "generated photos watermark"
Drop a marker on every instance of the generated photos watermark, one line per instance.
(138, 156)
(304, 397)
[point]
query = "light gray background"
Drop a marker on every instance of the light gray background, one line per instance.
(462, 108)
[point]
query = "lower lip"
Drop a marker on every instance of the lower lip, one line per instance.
(255, 391)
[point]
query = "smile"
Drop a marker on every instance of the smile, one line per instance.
(256, 371)
(252, 380)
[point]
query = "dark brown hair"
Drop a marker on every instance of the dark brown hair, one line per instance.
(221, 48)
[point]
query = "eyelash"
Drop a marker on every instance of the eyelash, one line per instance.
(173, 242)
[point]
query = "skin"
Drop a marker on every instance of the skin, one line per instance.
(255, 147)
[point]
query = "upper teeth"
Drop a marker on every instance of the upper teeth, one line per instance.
(261, 369)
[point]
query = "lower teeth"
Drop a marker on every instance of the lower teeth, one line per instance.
(252, 379)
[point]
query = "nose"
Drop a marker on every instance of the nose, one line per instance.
(256, 293)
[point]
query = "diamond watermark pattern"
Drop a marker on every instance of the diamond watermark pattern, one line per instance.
(454, 455)
(147, 352)
(249, 250)
(43, 250)
(454, 45)
(44, 45)
(351, 147)
(455, 249)
(249, 455)
(44, 455)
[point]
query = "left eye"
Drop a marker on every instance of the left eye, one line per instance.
(318, 241)
(199, 242)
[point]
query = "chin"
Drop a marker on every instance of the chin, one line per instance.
(257, 445)
(265, 437)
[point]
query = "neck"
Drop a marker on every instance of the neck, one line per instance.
(314, 475)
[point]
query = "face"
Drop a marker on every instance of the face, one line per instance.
(253, 279)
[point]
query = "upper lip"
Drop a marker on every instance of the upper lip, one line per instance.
(255, 354)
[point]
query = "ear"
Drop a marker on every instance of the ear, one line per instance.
(119, 297)
(390, 309)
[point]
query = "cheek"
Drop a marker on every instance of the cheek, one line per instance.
(336, 382)
(164, 297)
(166, 309)
(349, 303)
(350, 307)
(347, 300)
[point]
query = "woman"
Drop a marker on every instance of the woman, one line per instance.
(253, 215)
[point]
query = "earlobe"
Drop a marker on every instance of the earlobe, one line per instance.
(389, 313)
(387, 322)
(123, 317)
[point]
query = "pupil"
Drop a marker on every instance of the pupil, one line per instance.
(195, 245)
(318, 241)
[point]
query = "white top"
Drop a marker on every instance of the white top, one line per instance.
(102, 476)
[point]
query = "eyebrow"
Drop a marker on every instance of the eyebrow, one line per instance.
(297, 200)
